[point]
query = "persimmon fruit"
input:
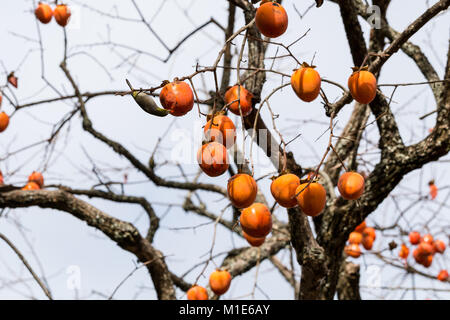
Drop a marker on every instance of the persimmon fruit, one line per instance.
(360, 228)
(197, 293)
(369, 232)
(414, 237)
(353, 250)
(439, 246)
(283, 189)
(242, 190)
(355, 237)
(254, 242)
(351, 185)
(4, 121)
(220, 281)
(443, 275)
(245, 99)
(367, 242)
(177, 97)
(363, 86)
(305, 82)
(404, 251)
(222, 130)
(31, 186)
(44, 13)
(62, 14)
(36, 177)
(256, 220)
(212, 158)
(312, 199)
(271, 19)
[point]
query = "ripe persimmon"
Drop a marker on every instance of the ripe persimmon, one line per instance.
(353, 250)
(256, 220)
(271, 19)
(428, 238)
(355, 238)
(177, 97)
(197, 293)
(283, 190)
(212, 158)
(4, 121)
(443, 275)
(428, 260)
(12, 79)
(414, 237)
(433, 190)
(222, 130)
(62, 14)
(425, 249)
(246, 96)
(363, 86)
(351, 185)
(254, 242)
(242, 190)
(439, 246)
(31, 186)
(311, 200)
(306, 82)
(360, 228)
(220, 281)
(36, 177)
(367, 242)
(404, 251)
(1, 178)
(44, 13)
(369, 232)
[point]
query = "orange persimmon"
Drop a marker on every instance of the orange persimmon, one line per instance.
(4, 121)
(245, 99)
(222, 130)
(305, 82)
(44, 13)
(363, 86)
(197, 293)
(283, 190)
(62, 14)
(220, 281)
(177, 97)
(271, 19)
(212, 158)
(312, 198)
(351, 185)
(242, 190)
(256, 220)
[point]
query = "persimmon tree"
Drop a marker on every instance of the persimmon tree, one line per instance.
(319, 212)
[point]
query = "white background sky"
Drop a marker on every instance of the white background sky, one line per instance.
(61, 241)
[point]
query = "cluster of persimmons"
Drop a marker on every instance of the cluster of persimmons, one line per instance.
(426, 248)
(220, 134)
(361, 235)
(44, 13)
